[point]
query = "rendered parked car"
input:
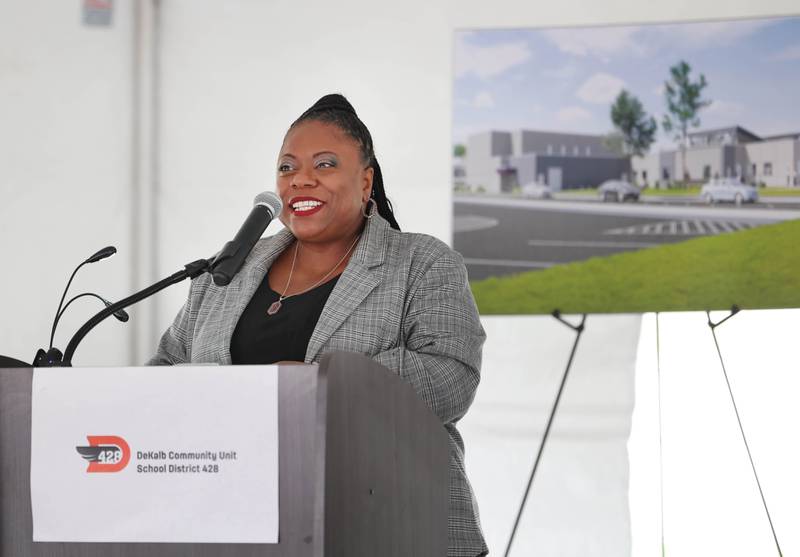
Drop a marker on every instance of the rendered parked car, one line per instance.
(536, 190)
(728, 189)
(618, 190)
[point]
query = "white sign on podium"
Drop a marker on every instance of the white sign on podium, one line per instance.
(155, 454)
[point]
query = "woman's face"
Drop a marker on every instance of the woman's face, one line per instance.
(322, 182)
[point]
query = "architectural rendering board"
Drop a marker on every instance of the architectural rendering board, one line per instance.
(629, 168)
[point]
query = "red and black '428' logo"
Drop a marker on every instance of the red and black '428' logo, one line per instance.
(105, 453)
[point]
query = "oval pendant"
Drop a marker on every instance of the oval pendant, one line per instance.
(274, 307)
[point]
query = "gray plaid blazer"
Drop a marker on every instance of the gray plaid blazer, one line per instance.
(403, 299)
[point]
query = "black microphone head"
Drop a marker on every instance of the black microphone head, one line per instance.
(107, 251)
(231, 258)
(120, 314)
(271, 201)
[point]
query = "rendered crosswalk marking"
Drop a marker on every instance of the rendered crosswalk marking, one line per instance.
(693, 227)
(700, 228)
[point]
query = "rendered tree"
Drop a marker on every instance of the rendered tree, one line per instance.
(635, 127)
(459, 150)
(684, 102)
(615, 143)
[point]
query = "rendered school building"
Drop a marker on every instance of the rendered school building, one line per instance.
(499, 161)
(726, 152)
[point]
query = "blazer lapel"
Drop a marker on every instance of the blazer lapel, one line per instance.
(359, 278)
(241, 290)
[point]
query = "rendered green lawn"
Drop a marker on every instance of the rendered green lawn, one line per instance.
(757, 268)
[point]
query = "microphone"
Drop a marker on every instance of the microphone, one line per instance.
(53, 356)
(107, 251)
(266, 206)
(121, 315)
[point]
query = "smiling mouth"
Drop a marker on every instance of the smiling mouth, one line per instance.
(306, 207)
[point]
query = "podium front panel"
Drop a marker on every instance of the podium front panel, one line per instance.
(297, 421)
(363, 470)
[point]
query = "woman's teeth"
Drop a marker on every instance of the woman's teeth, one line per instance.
(301, 206)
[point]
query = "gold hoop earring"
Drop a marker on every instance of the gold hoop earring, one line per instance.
(370, 208)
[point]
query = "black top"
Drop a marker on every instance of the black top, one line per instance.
(260, 338)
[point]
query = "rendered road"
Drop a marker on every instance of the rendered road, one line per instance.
(500, 236)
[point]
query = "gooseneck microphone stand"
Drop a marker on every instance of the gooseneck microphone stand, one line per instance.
(107, 251)
(190, 270)
(120, 315)
(52, 357)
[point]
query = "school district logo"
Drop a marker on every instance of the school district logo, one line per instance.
(105, 453)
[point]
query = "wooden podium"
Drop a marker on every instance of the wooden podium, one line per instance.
(363, 470)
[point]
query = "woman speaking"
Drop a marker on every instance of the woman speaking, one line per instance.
(342, 277)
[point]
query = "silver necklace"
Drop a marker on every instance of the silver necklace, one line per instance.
(276, 305)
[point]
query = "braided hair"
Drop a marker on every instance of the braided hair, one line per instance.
(337, 110)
